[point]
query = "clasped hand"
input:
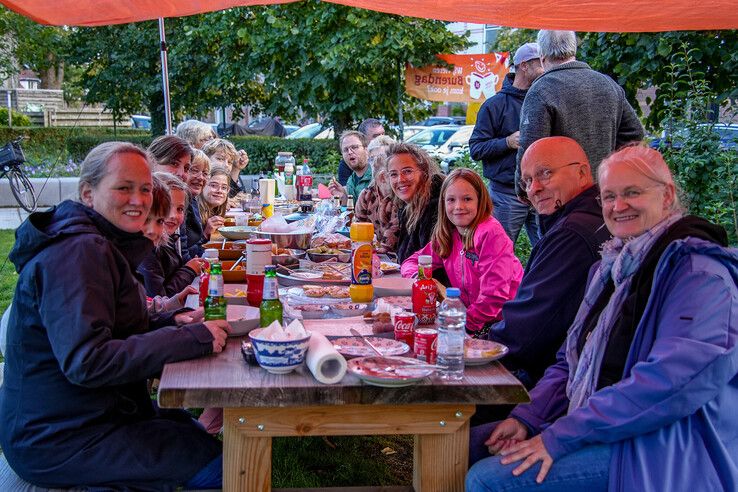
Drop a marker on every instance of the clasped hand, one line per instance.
(509, 440)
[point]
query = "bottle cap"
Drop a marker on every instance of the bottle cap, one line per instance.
(365, 229)
(453, 292)
(210, 253)
(425, 259)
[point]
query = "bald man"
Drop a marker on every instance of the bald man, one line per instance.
(556, 176)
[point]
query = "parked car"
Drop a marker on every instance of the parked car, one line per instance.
(442, 120)
(307, 131)
(290, 129)
(727, 133)
(457, 141)
(411, 130)
(141, 121)
(433, 137)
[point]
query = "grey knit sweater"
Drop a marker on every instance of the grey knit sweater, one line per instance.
(572, 100)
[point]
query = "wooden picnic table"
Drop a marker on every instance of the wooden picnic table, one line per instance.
(259, 405)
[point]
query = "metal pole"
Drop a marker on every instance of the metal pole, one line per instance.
(399, 99)
(10, 109)
(165, 77)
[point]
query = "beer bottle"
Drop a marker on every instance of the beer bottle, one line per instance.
(271, 307)
(215, 302)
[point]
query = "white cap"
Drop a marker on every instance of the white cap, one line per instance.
(425, 259)
(527, 52)
(210, 253)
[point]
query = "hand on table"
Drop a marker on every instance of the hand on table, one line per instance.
(531, 451)
(509, 431)
(213, 224)
(220, 329)
(188, 317)
(182, 296)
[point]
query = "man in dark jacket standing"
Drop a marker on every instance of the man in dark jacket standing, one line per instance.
(494, 141)
(572, 100)
(559, 184)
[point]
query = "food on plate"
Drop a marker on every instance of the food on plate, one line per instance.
(403, 302)
(334, 240)
(309, 307)
(382, 316)
(332, 276)
(279, 251)
(337, 291)
(324, 250)
(388, 267)
(314, 290)
(469, 349)
(238, 293)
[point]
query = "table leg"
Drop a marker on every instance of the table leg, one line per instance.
(247, 460)
(440, 461)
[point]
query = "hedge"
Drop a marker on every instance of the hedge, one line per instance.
(19, 119)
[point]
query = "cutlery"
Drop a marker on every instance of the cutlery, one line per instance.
(235, 264)
(369, 344)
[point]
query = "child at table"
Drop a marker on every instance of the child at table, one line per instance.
(163, 270)
(473, 249)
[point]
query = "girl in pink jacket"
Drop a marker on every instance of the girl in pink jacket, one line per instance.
(473, 249)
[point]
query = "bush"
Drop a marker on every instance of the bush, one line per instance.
(19, 119)
(324, 155)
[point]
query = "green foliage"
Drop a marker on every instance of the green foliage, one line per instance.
(324, 155)
(18, 119)
(341, 62)
(707, 174)
(8, 277)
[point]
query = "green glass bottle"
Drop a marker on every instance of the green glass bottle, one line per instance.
(215, 302)
(271, 307)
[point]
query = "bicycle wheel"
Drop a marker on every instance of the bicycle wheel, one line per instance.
(22, 189)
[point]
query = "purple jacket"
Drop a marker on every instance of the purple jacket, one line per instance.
(488, 276)
(671, 418)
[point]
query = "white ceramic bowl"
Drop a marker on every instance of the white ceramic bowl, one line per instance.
(276, 356)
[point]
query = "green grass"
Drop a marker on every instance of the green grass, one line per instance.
(8, 277)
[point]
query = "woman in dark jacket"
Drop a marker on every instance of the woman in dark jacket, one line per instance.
(416, 182)
(74, 408)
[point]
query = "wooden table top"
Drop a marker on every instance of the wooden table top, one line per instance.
(226, 380)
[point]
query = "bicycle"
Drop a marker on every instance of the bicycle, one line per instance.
(11, 160)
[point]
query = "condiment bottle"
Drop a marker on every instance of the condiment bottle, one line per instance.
(271, 307)
(350, 209)
(258, 255)
(362, 234)
(210, 255)
(425, 292)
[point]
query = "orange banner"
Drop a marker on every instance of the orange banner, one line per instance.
(472, 78)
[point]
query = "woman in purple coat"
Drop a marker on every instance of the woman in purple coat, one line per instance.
(643, 393)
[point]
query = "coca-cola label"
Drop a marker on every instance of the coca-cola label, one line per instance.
(305, 181)
(405, 327)
(424, 301)
(425, 346)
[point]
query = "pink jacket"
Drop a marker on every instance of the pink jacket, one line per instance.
(487, 276)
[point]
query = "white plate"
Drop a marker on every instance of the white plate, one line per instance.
(242, 319)
(478, 352)
(392, 286)
(354, 347)
(382, 371)
(349, 309)
(389, 267)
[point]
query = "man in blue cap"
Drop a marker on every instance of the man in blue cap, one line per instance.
(494, 141)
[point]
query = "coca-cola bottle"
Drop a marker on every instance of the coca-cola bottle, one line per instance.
(425, 292)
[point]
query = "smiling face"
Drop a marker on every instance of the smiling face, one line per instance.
(461, 203)
(404, 175)
(354, 153)
(216, 190)
(154, 228)
(220, 158)
(198, 176)
(176, 211)
(632, 203)
(124, 195)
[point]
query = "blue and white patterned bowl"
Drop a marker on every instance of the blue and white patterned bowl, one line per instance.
(279, 357)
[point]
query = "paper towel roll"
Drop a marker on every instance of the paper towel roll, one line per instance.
(324, 361)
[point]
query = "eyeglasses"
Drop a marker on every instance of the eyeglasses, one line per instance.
(199, 172)
(216, 187)
(405, 173)
(351, 148)
(629, 195)
(543, 176)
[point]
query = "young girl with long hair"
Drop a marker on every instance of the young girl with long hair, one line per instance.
(213, 202)
(473, 249)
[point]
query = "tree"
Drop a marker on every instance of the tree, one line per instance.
(340, 62)
(643, 60)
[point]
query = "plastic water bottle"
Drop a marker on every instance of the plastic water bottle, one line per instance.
(451, 334)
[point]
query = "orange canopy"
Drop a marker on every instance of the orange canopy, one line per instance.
(578, 15)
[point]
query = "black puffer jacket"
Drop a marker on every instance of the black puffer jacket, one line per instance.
(408, 242)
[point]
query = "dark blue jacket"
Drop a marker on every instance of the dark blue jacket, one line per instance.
(164, 272)
(498, 117)
(194, 237)
(74, 407)
(344, 172)
(535, 322)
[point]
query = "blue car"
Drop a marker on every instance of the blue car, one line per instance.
(728, 134)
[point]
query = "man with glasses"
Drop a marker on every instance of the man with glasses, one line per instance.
(371, 128)
(494, 141)
(353, 150)
(557, 179)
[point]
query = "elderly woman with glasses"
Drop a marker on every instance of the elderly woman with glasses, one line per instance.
(643, 393)
(213, 201)
(416, 181)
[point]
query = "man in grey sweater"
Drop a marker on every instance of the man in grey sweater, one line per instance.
(572, 100)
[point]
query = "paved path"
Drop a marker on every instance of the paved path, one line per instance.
(11, 218)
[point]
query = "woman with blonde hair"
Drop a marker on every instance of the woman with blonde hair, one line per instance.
(213, 202)
(416, 181)
(473, 249)
(224, 153)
